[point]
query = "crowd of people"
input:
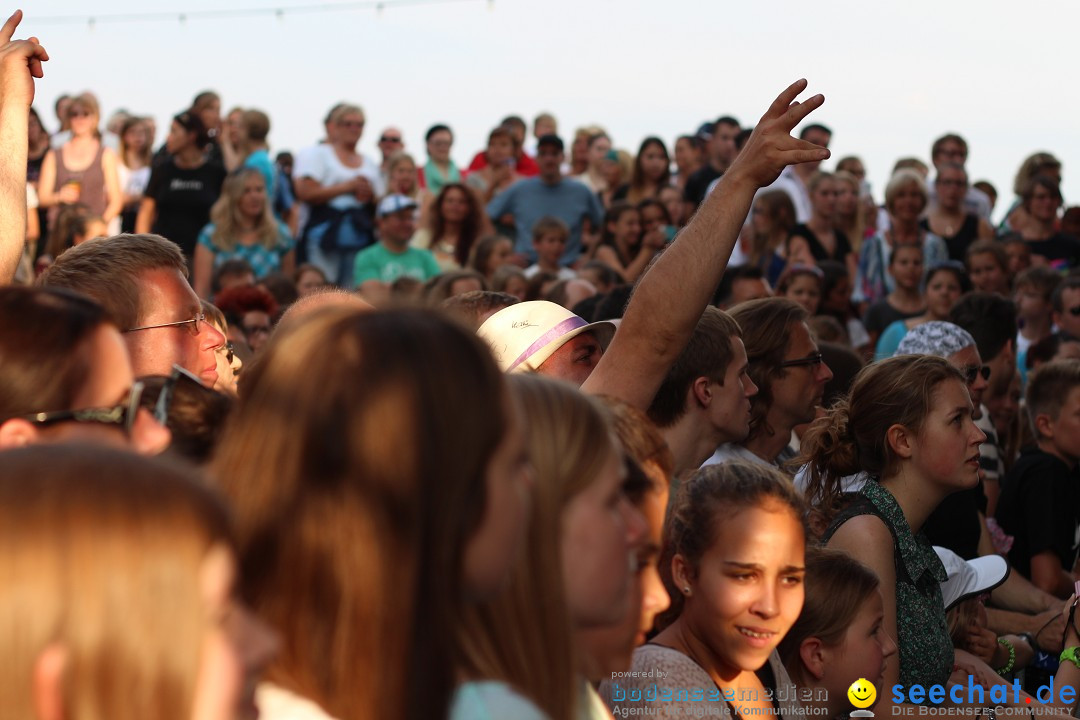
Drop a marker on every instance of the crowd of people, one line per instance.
(562, 432)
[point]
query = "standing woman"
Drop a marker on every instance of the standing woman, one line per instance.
(652, 171)
(183, 188)
(909, 424)
(819, 236)
(905, 200)
(948, 219)
(1040, 164)
(82, 170)
(733, 564)
(243, 227)
(455, 222)
(133, 168)
(440, 168)
(341, 186)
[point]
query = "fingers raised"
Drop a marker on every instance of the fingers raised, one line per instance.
(783, 100)
(800, 110)
(8, 30)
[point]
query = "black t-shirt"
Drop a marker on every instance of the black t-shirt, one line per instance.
(955, 523)
(958, 243)
(1058, 247)
(881, 315)
(698, 183)
(184, 198)
(843, 247)
(1040, 507)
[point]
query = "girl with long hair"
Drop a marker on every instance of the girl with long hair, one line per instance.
(455, 221)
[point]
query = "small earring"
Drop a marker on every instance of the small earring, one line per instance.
(686, 590)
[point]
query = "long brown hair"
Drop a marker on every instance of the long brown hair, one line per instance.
(101, 556)
(851, 437)
(523, 636)
(358, 470)
(470, 226)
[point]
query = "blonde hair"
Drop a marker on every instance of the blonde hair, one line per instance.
(901, 179)
(515, 637)
(226, 217)
(101, 556)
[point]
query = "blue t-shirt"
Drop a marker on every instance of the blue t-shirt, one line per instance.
(531, 199)
(263, 260)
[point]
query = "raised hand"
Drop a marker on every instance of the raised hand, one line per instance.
(770, 147)
(20, 63)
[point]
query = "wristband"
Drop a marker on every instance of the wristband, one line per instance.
(1071, 654)
(1029, 639)
(1012, 657)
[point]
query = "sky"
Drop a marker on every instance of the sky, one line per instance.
(895, 75)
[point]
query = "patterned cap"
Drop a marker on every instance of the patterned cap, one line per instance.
(941, 339)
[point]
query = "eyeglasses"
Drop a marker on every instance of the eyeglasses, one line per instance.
(123, 414)
(972, 373)
(179, 376)
(195, 325)
(389, 139)
(808, 361)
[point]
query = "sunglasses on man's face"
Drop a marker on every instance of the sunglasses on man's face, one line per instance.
(972, 373)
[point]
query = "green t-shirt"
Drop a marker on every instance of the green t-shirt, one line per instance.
(379, 263)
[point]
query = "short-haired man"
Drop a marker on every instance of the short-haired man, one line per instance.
(1033, 291)
(377, 267)
(790, 374)
(540, 336)
(548, 194)
(141, 280)
(720, 152)
(1040, 503)
(705, 399)
(1066, 304)
(953, 149)
(795, 179)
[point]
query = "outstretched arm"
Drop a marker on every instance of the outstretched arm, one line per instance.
(674, 292)
(20, 63)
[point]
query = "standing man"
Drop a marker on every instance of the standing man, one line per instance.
(953, 149)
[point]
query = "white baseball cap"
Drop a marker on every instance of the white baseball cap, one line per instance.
(526, 334)
(968, 578)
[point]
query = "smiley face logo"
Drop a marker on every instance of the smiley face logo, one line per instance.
(862, 693)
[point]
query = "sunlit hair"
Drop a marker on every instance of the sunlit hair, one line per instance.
(704, 502)
(836, 587)
(44, 354)
(394, 162)
(338, 113)
(88, 102)
(228, 219)
(851, 437)
(148, 150)
(108, 270)
(358, 471)
(101, 557)
(523, 636)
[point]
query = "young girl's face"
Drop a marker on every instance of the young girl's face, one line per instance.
(748, 588)
(806, 291)
(942, 292)
(862, 653)
(500, 255)
(907, 267)
(627, 228)
(516, 286)
(987, 275)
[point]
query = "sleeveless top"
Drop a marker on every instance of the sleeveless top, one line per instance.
(958, 244)
(91, 183)
(925, 648)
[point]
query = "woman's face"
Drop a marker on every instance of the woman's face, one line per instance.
(597, 150)
(748, 588)
(987, 275)
(686, 155)
(403, 178)
(179, 139)
(252, 202)
(455, 206)
(847, 199)
(137, 137)
(1043, 205)
(908, 204)
(806, 291)
(907, 267)
(823, 199)
(438, 146)
(654, 162)
(651, 218)
(839, 298)
(211, 114)
(600, 534)
(947, 452)
(942, 292)
(228, 366)
(350, 127)
(862, 653)
(516, 286)
(108, 384)
(611, 171)
(1004, 405)
(83, 121)
(309, 282)
(257, 328)
(490, 552)
(500, 255)
(951, 187)
(236, 647)
(672, 200)
(627, 229)
(761, 219)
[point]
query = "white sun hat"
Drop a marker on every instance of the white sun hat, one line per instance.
(526, 334)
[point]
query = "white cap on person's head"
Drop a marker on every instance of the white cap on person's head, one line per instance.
(526, 334)
(969, 578)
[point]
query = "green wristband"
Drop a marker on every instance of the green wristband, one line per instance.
(1012, 657)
